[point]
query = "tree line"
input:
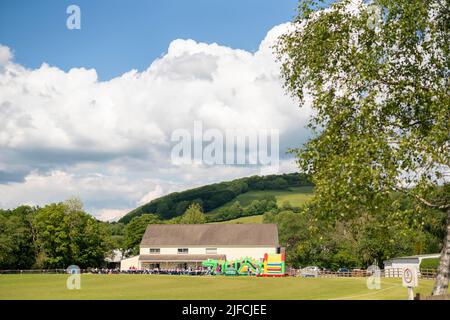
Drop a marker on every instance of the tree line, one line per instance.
(62, 234)
(55, 236)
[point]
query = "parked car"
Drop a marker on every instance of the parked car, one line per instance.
(343, 272)
(310, 271)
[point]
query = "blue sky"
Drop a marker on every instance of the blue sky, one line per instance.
(118, 35)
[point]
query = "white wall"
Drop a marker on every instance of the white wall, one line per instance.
(126, 264)
(240, 252)
(395, 269)
(230, 252)
(402, 265)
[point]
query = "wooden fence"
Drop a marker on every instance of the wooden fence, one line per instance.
(387, 273)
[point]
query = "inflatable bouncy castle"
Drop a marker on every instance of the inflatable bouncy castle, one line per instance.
(274, 265)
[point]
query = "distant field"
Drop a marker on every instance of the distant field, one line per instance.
(203, 287)
(296, 196)
(250, 219)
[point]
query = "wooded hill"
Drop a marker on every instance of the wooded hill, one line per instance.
(215, 195)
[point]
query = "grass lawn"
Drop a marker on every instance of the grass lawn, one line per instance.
(205, 287)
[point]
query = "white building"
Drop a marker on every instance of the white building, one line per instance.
(394, 267)
(114, 259)
(187, 245)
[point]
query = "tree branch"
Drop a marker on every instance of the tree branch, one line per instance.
(432, 205)
(428, 203)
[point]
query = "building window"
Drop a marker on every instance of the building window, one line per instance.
(155, 250)
(183, 250)
(211, 250)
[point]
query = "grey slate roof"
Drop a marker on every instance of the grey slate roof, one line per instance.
(211, 235)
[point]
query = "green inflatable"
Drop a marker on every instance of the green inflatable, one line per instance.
(242, 267)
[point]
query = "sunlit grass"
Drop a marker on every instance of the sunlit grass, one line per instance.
(201, 287)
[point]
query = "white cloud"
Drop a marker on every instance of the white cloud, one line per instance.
(151, 195)
(66, 133)
(112, 214)
(5, 55)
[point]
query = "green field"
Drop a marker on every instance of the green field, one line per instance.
(202, 287)
(250, 219)
(295, 195)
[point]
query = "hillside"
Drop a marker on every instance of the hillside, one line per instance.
(221, 195)
(296, 196)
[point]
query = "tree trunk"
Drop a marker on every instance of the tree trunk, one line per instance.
(441, 285)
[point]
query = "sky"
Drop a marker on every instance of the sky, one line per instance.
(117, 36)
(91, 113)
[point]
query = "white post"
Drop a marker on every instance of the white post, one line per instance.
(410, 293)
(410, 280)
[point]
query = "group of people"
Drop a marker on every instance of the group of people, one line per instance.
(104, 271)
(171, 271)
